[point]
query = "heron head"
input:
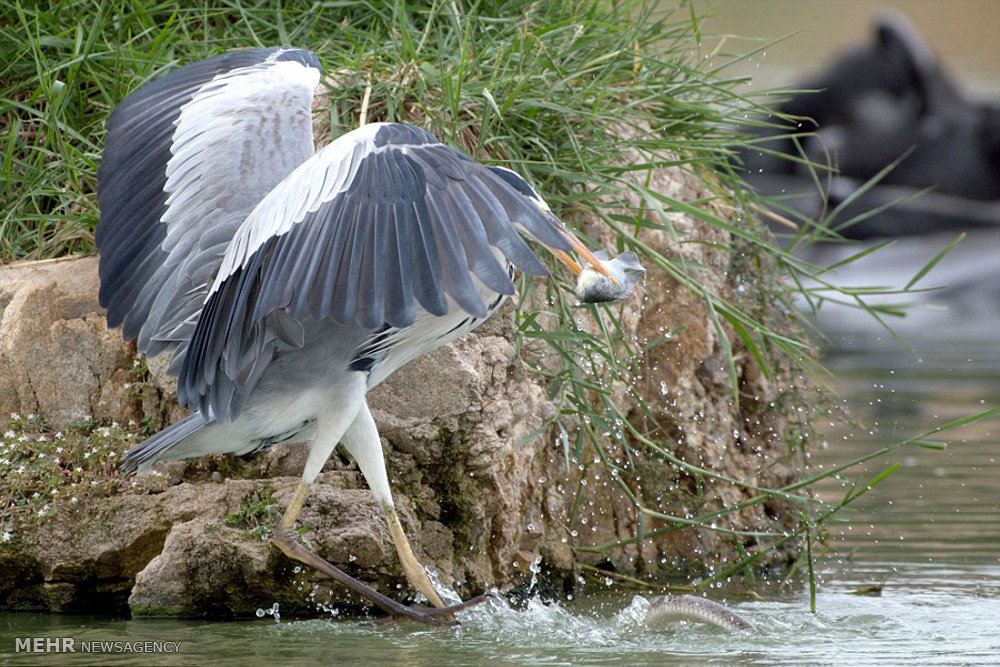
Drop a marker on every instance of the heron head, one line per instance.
(521, 185)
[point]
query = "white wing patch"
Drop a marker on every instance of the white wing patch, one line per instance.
(218, 165)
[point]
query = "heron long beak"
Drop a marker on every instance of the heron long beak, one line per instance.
(584, 252)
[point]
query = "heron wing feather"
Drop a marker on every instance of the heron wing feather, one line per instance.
(381, 221)
(187, 158)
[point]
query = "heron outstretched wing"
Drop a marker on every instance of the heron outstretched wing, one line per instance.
(187, 158)
(382, 222)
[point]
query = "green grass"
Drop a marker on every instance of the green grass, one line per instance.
(584, 99)
(257, 514)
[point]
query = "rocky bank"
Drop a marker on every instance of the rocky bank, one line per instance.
(477, 469)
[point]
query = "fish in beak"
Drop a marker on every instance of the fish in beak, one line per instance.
(616, 283)
(601, 278)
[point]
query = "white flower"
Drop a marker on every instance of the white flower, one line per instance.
(6, 536)
(9, 434)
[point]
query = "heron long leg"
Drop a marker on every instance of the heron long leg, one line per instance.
(285, 540)
(362, 440)
(414, 571)
(341, 422)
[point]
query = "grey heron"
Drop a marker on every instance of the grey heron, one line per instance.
(286, 283)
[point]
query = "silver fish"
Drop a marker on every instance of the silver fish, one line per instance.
(693, 608)
(593, 287)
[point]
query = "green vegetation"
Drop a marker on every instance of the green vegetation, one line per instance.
(41, 469)
(585, 99)
(257, 514)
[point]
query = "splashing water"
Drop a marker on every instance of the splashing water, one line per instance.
(273, 611)
(535, 568)
(447, 593)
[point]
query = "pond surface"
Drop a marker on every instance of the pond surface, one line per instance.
(927, 614)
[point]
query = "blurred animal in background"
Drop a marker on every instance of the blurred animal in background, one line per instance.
(888, 100)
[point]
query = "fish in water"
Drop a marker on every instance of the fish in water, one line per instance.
(593, 287)
(671, 608)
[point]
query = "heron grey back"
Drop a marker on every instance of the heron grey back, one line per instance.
(381, 224)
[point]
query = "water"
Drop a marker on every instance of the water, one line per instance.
(927, 614)
(804, 37)
(942, 506)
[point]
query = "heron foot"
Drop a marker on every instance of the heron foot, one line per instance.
(440, 616)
